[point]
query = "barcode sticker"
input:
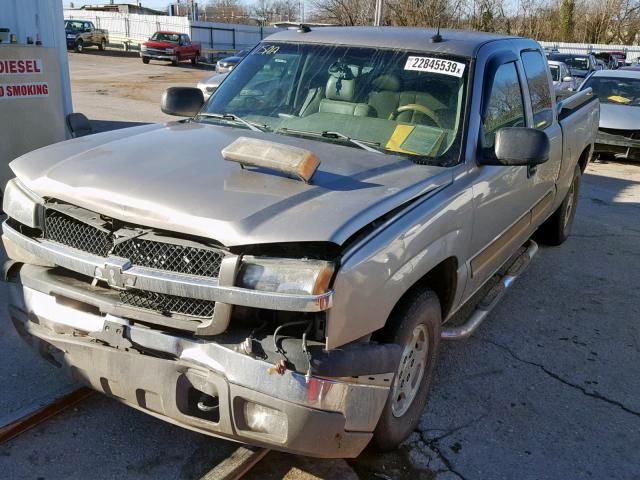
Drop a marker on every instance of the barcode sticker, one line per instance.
(435, 65)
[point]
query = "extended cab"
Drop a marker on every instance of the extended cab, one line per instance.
(172, 46)
(82, 33)
(280, 267)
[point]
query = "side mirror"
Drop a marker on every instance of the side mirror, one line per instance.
(182, 101)
(519, 146)
(568, 79)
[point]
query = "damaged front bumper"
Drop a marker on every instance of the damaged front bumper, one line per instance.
(619, 145)
(246, 399)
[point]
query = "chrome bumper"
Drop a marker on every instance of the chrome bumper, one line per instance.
(157, 56)
(324, 417)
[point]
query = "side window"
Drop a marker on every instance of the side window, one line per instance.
(506, 108)
(185, 39)
(535, 70)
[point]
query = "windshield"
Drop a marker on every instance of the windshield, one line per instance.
(165, 37)
(396, 101)
(555, 72)
(621, 91)
(72, 25)
(579, 63)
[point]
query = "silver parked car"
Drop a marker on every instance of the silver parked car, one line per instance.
(210, 84)
(619, 94)
(563, 82)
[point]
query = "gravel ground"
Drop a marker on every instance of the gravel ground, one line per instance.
(548, 388)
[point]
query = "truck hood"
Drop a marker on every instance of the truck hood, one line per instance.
(623, 117)
(173, 177)
(155, 44)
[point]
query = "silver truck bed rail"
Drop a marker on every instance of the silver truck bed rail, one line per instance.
(574, 101)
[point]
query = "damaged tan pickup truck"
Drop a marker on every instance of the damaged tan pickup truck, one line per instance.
(279, 267)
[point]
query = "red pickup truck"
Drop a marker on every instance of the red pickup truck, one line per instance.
(173, 46)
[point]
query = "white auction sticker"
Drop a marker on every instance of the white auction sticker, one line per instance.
(24, 90)
(435, 65)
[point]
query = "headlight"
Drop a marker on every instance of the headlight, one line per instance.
(21, 204)
(282, 275)
(70, 35)
(169, 50)
(143, 48)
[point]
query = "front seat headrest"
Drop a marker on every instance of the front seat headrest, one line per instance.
(387, 82)
(341, 84)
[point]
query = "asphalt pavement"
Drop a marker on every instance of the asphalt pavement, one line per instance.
(548, 388)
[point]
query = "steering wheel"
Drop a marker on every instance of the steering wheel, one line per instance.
(415, 107)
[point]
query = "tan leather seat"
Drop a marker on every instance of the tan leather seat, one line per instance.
(385, 97)
(339, 96)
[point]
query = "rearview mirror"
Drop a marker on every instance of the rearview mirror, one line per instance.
(519, 146)
(182, 101)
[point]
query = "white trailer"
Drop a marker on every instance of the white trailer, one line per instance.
(35, 89)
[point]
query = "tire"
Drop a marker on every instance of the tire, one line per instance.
(557, 228)
(416, 320)
(79, 48)
(194, 60)
(145, 60)
(176, 61)
(103, 45)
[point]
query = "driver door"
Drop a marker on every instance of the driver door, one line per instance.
(500, 193)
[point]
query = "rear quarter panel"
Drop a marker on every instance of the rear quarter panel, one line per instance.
(579, 130)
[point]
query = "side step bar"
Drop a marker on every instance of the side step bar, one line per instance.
(493, 297)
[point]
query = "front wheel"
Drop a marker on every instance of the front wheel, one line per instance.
(79, 46)
(194, 60)
(176, 61)
(103, 45)
(557, 228)
(415, 325)
(145, 60)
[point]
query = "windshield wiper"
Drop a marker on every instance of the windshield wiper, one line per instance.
(342, 136)
(256, 127)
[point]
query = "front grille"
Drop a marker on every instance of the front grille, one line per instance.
(170, 257)
(167, 304)
(74, 233)
(156, 51)
(203, 262)
(633, 134)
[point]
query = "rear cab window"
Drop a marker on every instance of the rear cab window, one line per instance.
(535, 71)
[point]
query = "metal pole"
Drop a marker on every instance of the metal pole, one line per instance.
(377, 19)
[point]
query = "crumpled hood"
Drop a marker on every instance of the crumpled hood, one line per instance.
(173, 177)
(621, 117)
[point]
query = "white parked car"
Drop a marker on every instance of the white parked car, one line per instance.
(563, 82)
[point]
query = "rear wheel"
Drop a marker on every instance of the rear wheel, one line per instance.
(557, 228)
(145, 59)
(415, 325)
(103, 45)
(79, 46)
